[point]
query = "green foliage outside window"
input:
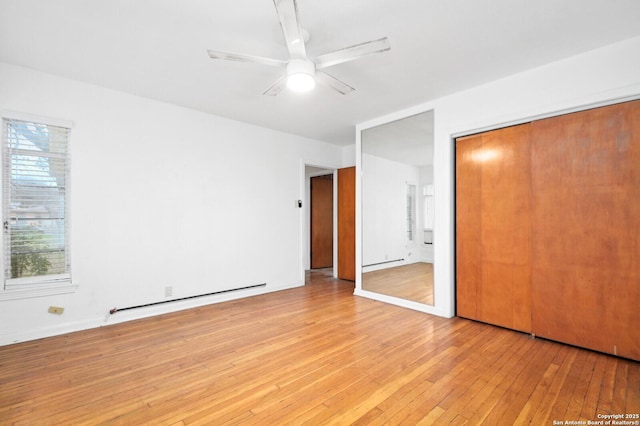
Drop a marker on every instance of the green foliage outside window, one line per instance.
(33, 262)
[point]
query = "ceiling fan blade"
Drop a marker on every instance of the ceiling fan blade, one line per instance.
(277, 86)
(239, 57)
(288, 15)
(352, 52)
(332, 82)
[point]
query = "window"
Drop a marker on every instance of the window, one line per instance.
(35, 208)
(411, 212)
(429, 213)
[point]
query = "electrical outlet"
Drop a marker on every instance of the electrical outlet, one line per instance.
(168, 291)
(56, 310)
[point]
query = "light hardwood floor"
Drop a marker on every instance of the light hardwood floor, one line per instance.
(411, 282)
(312, 355)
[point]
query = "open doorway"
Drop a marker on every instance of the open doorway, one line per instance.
(320, 221)
(341, 205)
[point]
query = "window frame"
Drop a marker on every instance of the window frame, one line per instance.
(43, 285)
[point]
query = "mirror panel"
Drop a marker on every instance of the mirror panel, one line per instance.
(398, 208)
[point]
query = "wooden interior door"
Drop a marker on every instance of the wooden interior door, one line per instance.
(586, 220)
(493, 231)
(347, 223)
(321, 195)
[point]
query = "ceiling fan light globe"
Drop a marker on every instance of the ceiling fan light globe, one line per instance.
(300, 75)
(301, 82)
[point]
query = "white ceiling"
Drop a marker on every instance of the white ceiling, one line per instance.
(157, 49)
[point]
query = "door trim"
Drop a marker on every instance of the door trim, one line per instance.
(305, 212)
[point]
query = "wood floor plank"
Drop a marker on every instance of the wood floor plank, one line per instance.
(432, 417)
(312, 355)
(535, 399)
(564, 360)
(582, 380)
(620, 389)
(343, 400)
(496, 371)
(632, 399)
(521, 388)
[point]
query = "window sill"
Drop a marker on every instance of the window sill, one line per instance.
(40, 290)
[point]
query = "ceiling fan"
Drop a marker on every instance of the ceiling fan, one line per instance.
(301, 72)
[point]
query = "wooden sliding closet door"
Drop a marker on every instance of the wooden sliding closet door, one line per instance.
(548, 228)
(586, 225)
(493, 227)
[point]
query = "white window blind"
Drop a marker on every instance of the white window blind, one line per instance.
(411, 212)
(429, 213)
(429, 210)
(35, 175)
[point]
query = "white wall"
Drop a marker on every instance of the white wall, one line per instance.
(384, 199)
(349, 155)
(605, 75)
(163, 196)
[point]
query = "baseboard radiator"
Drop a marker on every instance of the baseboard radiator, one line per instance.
(114, 310)
(382, 263)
